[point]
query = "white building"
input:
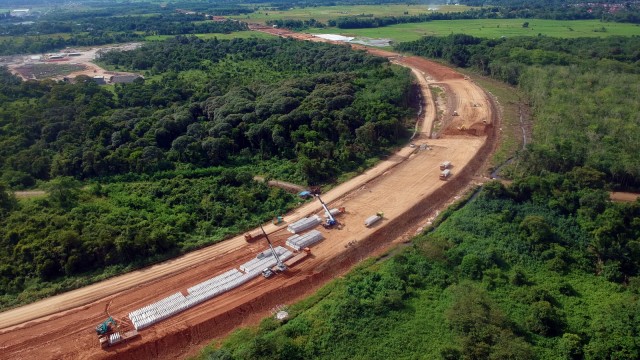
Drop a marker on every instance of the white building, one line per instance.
(20, 12)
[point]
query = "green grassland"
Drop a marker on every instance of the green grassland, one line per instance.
(324, 13)
(492, 28)
(233, 35)
(21, 39)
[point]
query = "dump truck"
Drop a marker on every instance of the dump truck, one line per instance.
(445, 165)
(444, 175)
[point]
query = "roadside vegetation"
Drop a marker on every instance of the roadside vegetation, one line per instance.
(580, 91)
(160, 167)
(532, 271)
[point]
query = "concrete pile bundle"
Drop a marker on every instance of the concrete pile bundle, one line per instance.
(298, 242)
(372, 220)
(255, 266)
(218, 280)
(304, 224)
(114, 338)
(158, 311)
(172, 305)
(203, 292)
(333, 212)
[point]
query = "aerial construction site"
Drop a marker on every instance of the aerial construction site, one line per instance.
(164, 310)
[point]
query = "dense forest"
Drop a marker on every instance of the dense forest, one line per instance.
(167, 24)
(585, 84)
(544, 269)
(55, 32)
(172, 158)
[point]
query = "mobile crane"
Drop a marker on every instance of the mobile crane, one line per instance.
(331, 221)
(280, 266)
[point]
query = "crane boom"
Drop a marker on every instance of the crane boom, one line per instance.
(279, 264)
(330, 219)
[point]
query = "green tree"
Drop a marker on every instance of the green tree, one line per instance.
(545, 319)
(7, 200)
(63, 191)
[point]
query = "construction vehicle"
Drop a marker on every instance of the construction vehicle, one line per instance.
(280, 266)
(299, 257)
(368, 222)
(278, 220)
(105, 328)
(250, 237)
(110, 331)
(331, 221)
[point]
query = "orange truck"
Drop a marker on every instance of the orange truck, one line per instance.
(251, 237)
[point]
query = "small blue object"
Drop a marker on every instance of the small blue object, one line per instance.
(304, 193)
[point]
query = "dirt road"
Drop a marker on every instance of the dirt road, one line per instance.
(405, 187)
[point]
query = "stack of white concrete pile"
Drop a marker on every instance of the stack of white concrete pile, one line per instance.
(304, 224)
(158, 311)
(205, 290)
(215, 286)
(255, 266)
(114, 338)
(298, 242)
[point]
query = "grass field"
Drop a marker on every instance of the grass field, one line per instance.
(492, 28)
(20, 39)
(233, 35)
(324, 13)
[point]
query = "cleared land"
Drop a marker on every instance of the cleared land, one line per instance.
(324, 13)
(491, 28)
(51, 70)
(405, 186)
(70, 67)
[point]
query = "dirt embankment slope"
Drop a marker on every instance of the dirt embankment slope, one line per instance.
(405, 187)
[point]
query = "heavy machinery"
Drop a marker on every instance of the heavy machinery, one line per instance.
(111, 331)
(280, 266)
(105, 327)
(251, 237)
(331, 221)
